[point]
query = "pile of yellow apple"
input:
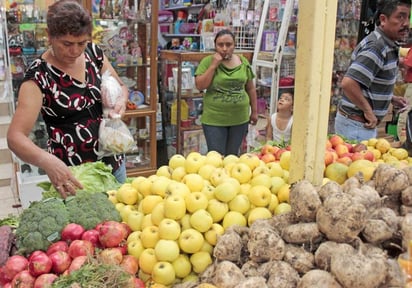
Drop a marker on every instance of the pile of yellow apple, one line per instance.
(178, 213)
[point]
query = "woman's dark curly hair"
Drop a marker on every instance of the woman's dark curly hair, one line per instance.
(68, 17)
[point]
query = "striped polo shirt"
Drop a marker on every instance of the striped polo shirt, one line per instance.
(374, 65)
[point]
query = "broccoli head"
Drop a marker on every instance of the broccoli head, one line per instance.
(40, 225)
(90, 209)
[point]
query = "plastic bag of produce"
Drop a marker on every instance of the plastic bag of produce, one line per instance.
(111, 93)
(114, 137)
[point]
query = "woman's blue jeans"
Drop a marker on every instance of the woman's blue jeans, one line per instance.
(225, 139)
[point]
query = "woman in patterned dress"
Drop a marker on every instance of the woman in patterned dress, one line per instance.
(63, 84)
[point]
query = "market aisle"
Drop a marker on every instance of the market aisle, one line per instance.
(9, 202)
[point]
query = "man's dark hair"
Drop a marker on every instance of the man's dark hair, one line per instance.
(387, 7)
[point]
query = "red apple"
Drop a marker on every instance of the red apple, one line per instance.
(359, 147)
(268, 157)
(368, 155)
(130, 264)
(335, 140)
(71, 232)
(14, 265)
(39, 263)
(279, 153)
(267, 148)
(345, 160)
(350, 146)
(139, 283)
(23, 279)
(81, 248)
(57, 246)
(341, 149)
(357, 156)
(111, 234)
(76, 264)
(111, 256)
(60, 261)
(91, 235)
(328, 144)
(45, 280)
(330, 156)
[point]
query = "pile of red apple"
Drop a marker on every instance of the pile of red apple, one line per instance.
(106, 242)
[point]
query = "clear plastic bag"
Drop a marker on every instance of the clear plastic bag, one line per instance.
(111, 92)
(114, 137)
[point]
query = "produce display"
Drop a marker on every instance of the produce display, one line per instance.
(234, 221)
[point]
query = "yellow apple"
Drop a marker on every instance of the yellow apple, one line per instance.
(160, 185)
(240, 203)
(230, 159)
(207, 247)
(258, 213)
(147, 260)
(277, 182)
(190, 240)
(193, 181)
(179, 188)
(234, 218)
(274, 202)
(119, 206)
(213, 233)
(185, 222)
(135, 248)
(283, 208)
(217, 209)
(217, 176)
(275, 169)
(134, 235)
(112, 196)
(164, 171)
(214, 158)
(195, 201)
(177, 160)
(260, 196)
(242, 172)
(147, 221)
(182, 266)
(194, 160)
(261, 179)
(127, 194)
(174, 207)
(136, 182)
(150, 236)
(163, 273)
(166, 250)
(192, 277)
(201, 220)
(244, 188)
(178, 173)
(134, 220)
(206, 171)
(209, 191)
(169, 229)
(261, 169)
(144, 187)
(149, 202)
(125, 210)
(250, 159)
(200, 261)
(158, 212)
(226, 191)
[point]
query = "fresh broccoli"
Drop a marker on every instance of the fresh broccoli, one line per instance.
(90, 209)
(40, 225)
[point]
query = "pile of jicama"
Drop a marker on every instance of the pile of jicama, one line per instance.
(346, 236)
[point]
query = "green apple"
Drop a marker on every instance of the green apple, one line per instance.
(200, 261)
(195, 201)
(177, 160)
(233, 218)
(214, 158)
(166, 250)
(277, 182)
(258, 213)
(179, 188)
(147, 221)
(260, 196)
(218, 175)
(201, 220)
(164, 171)
(150, 236)
(160, 186)
(169, 229)
(213, 233)
(230, 159)
(134, 220)
(157, 214)
(149, 202)
(275, 169)
(147, 260)
(250, 159)
(125, 210)
(135, 248)
(190, 240)
(163, 273)
(135, 235)
(178, 173)
(261, 169)
(226, 191)
(242, 172)
(262, 179)
(209, 191)
(194, 160)
(193, 181)
(240, 203)
(217, 209)
(274, 202)
(182, 266)
(206, 171)
(185, 222)
(175, 207)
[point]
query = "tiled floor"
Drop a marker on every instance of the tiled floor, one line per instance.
(9, 202)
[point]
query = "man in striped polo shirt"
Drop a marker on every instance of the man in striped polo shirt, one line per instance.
(369, 81)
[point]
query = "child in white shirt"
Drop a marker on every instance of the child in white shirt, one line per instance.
(279, 128)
